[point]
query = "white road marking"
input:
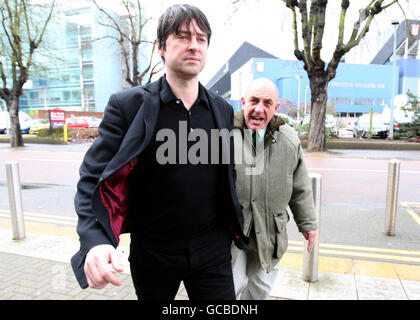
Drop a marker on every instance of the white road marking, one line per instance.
(51, 160)
(360, 170)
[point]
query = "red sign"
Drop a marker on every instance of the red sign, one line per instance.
(58, 116)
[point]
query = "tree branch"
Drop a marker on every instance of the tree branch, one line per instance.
(319, 33)
(10, 32)
(306, 33)
(131, 20)
(3, 75)
(106, 37)
(139, 21)
(125, 57)
(153, 72)
(356, 41)
(312, 21)
(344, 6)
(117, 26)
(44, 28)
(390, 4)
(298, 53)
(112, 26)
(6, 31)
(145, 71)
(291, 4)
(34, 43)
(368, 13)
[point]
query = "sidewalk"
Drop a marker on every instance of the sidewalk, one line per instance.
(38, 268)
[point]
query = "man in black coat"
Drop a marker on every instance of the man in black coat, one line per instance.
(158, 171)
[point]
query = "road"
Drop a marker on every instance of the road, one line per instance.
(353, 197)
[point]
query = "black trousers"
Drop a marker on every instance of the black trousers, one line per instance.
(202, 263)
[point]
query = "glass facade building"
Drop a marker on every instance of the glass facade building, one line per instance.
(78, 70)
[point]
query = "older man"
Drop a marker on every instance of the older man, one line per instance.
(271, 176)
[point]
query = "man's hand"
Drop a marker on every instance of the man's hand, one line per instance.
(310, 236)
(97, 269)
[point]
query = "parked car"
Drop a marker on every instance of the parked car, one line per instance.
(400, 117)
(330, 123)
(77, 123)
(350, 124)
(5, 120)
(362, 127)
(25, 127)
(38, 125)
(93, 122)
(305, 119)
(287, 118)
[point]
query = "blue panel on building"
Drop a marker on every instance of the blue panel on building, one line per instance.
(409, 75)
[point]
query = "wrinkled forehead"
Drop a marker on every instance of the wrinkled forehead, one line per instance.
(262, 91)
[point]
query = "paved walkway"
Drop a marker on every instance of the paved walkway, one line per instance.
(37, 268)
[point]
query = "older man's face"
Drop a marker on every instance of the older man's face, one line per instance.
(259, 104)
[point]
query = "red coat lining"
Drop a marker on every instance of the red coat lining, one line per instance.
(114, 194)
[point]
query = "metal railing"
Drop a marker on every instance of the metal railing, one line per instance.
(392, 196)
(15, 200)
(310, 259)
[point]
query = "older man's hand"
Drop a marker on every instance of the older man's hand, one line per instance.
(310, 236)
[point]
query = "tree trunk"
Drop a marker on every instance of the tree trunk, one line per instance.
(134, 59)
(16, 139)
(319, 97)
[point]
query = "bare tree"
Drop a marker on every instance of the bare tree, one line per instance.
(21, 33)
(130, 37)
(320, 74)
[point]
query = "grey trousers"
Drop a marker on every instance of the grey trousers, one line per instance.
(251, 281)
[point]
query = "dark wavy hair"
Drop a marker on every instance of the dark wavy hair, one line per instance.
(173, 18)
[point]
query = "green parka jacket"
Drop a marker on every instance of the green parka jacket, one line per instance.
(269, 179)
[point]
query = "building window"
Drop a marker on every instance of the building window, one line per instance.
(342, 100)
(85, 33)
(87, 52)
(364, 101)
(87, 72)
